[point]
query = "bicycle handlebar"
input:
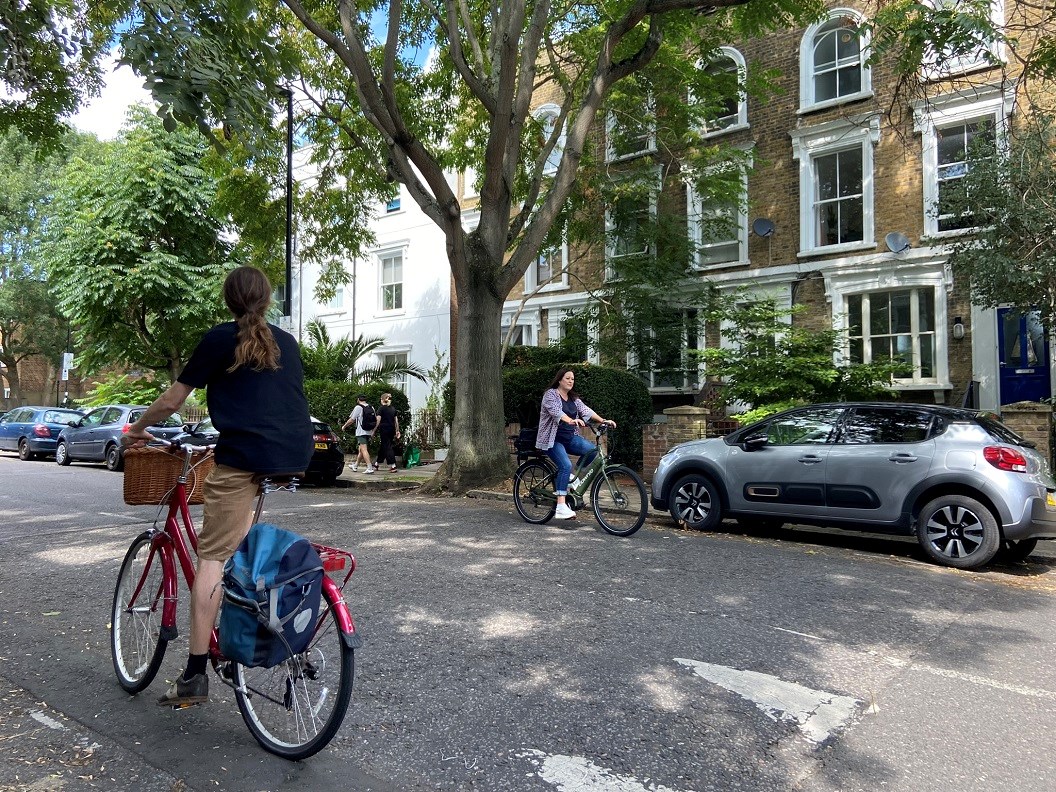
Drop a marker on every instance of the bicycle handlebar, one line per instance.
(177, 444)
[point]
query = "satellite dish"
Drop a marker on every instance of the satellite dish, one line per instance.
(763, 227)
(896, 242)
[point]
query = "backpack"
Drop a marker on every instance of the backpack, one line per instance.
(369, 419)
(272, 589)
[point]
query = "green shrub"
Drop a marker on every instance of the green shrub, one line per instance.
(613, 393)
(332, 402)
(551, 356)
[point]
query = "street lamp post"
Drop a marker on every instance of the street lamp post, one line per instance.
(287, 308)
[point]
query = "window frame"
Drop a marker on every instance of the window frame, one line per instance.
(551, 111)
(649, 250)
(741, 116)
(990, 102)
(690, 383)
(531, 277)
(379, 257)
(810, 143)
(694, 213)
(931, 70)
(933, 274)
(385, 352)
(807, 74)
(649, 137)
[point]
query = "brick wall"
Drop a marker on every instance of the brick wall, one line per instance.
(681, 425)
(1031, 421)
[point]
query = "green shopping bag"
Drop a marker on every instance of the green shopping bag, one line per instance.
(411, 456)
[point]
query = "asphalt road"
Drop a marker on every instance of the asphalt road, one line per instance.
(502, 656)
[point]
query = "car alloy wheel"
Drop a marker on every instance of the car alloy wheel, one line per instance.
(694, 500)
(958, 531)
(62, 454)
(115, 460)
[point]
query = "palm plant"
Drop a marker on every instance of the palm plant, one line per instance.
(325, 358)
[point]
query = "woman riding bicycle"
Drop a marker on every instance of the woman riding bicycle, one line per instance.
(562, 413)
(256, 400)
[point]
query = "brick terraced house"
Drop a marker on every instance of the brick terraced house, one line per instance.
(841, 216)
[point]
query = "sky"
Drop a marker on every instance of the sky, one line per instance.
(105, 114)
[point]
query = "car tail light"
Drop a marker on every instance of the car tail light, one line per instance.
(125, 428)
(324, 437)
(40, 430)
(1005, 459)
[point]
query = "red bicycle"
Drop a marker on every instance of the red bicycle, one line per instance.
(293, 709)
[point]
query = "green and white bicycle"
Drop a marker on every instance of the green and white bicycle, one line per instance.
(617, 493)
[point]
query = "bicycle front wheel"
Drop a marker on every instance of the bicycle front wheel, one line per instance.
(295, 708)
(533, 492)
(135, 623)
(619, 501)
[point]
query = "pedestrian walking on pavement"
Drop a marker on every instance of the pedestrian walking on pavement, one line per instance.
(366, 421)
(389, 431)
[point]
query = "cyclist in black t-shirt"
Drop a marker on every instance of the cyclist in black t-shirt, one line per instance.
(255, 392)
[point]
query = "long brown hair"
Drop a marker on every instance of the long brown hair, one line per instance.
(561, 372)
(248, 296)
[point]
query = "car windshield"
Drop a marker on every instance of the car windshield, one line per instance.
(60, 416)
(998, 430)
(171, 422)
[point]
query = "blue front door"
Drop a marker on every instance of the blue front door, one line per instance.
(1023, 356)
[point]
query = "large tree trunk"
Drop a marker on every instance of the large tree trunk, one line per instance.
(13, 382)
(478, 455)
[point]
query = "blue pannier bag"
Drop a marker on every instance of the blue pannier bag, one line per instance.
(272, 591)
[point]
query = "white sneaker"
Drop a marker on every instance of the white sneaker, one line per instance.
(564, 513)
(369, 470)
(353, 468)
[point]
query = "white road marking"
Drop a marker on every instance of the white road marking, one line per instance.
(817, 713)
(1040, 693)
(578, 774)
(47, 720)
(793, 632)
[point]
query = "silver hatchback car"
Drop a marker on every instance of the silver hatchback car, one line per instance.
(965, 484)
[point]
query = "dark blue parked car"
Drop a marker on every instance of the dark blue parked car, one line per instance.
(34, 431)
(96, 437)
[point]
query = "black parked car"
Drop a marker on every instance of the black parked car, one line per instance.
(96, 437)
(325, 466)
(34, 431)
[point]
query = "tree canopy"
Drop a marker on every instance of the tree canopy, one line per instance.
(30, 322)
(410, 92)
(1008, 198)
(135, 251)
(51, 60)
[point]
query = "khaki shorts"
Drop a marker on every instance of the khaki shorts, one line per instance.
(229, 495)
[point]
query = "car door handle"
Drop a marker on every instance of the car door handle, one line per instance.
(810, 459)
(900, 458)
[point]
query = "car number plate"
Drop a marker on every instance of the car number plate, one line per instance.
(322, 447)
(1050, 499)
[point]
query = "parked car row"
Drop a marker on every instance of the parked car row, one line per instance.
(71, 435)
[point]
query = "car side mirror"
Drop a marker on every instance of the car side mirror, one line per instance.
(754, 443)
(186, 427)
(73, 423)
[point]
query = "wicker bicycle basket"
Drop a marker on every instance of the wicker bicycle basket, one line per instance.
(151, 473)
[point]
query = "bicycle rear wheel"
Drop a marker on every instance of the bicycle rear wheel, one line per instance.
(619, 501)
(135, 625)
(533, 492)
(295, 708)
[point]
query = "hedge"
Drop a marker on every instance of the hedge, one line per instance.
(614, 393)
(332, 402)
